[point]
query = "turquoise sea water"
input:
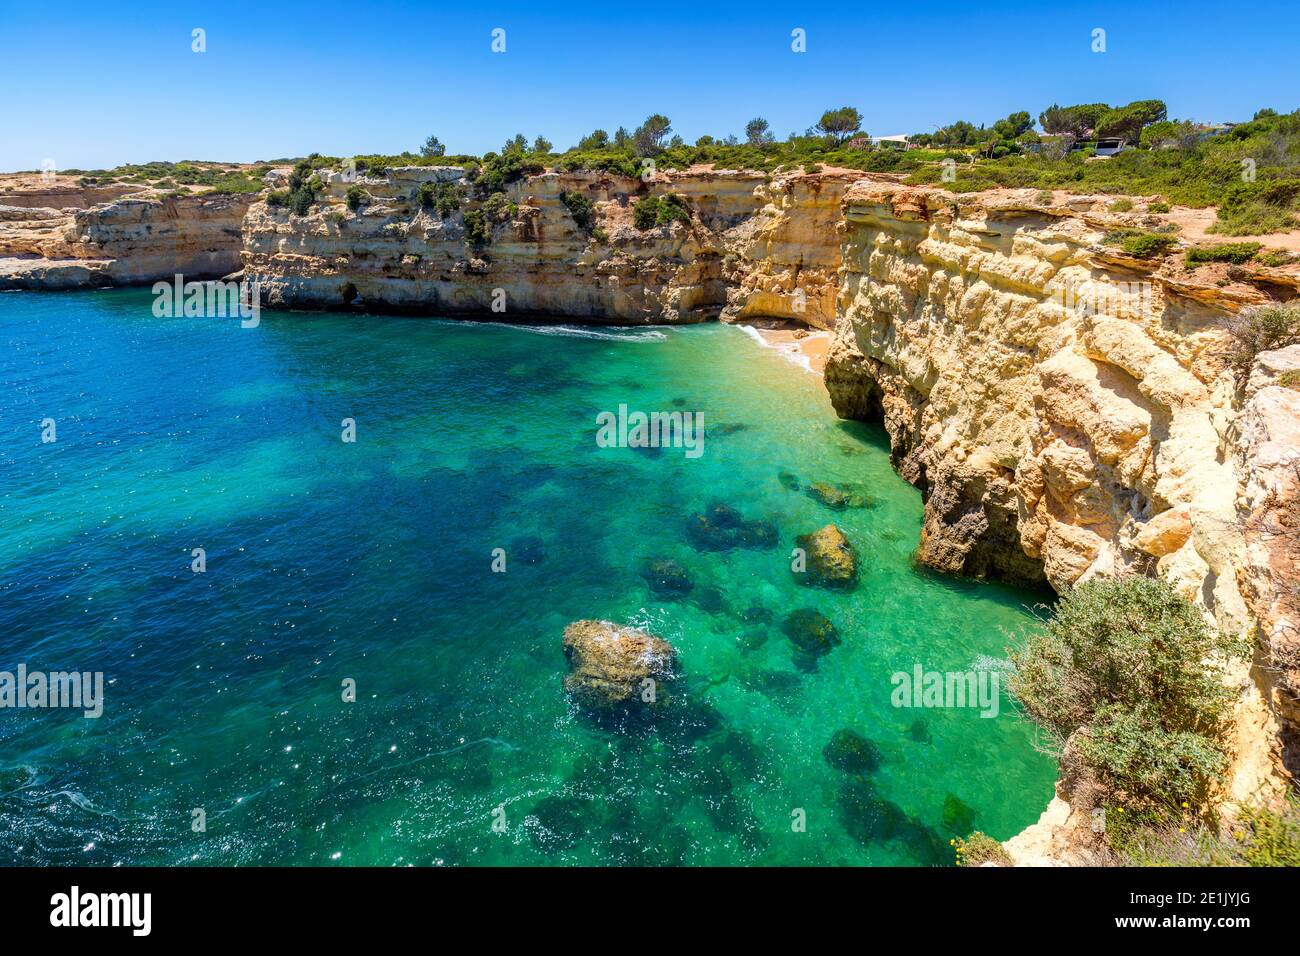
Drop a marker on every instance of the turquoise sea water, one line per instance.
(371, 561)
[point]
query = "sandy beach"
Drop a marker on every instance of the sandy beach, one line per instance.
(801, 345)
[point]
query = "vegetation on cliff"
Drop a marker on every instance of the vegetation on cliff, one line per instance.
(1251, 171)
(215, 178)
(1127, 680)
(1259, 836)
(1262, 329)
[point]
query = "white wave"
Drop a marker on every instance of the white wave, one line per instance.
(584, 332)
(791, 353)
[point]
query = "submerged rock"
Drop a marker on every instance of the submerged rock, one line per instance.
(811, 633)
(832, 562)
(529, 549)
(609, 665)
(559, 822)
(851, 752)
(837, 498)
(725, 428)
(722, 528)
(958, 819)
(667, 578)
(789, 480)
(710, 600)
(920, 732)
(870, 818)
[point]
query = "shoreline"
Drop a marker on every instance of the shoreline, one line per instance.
(806, 347)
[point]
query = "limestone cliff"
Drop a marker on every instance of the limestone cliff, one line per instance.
(127, 241)
(1068, 413)
(755, 246)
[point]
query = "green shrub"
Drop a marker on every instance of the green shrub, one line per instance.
(477, 231)
(1258, 837)
(1234, 252)
(1258, 208)
(357, 197)
(498, 209)
(498, 172)
(1121, 205)
(980, 848)
(1043, 196)
(444, 198)
(580, 208)
(1139, 244)
(1278, 257)
(1261, 329)
(660, 211)
(1129, 674)
(1158, 207)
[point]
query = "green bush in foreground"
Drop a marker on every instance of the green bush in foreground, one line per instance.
(1234, 252)
(1261, 329)
(980, 848)
(1139, 244)
(1129, 674)
(1258, 208)
(1258, 837)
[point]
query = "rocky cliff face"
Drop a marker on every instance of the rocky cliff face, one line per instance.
(755, 247)
(124, 242)
(1067, 410)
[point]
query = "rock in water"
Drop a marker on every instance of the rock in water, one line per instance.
(851, 752)
(832, 562)
(812, 634)
(958, 818)
(609, 665)
(721, 528)
(829, 495)
(837, 498)
(667, 578)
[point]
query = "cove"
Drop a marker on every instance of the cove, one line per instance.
(371, 562)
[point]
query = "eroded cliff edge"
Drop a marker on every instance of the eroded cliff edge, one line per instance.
(1068, 413)
(83, 240)
(754, 246)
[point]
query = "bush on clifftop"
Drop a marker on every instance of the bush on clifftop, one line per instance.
(1128, 681)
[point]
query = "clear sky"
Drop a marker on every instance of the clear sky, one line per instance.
(92, 85)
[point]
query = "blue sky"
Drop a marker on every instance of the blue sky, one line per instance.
(96, 84)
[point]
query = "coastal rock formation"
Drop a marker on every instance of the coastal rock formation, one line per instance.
(756, 246)
(128, 241)
(1068, 414)
(831, 560)
(616, 667)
